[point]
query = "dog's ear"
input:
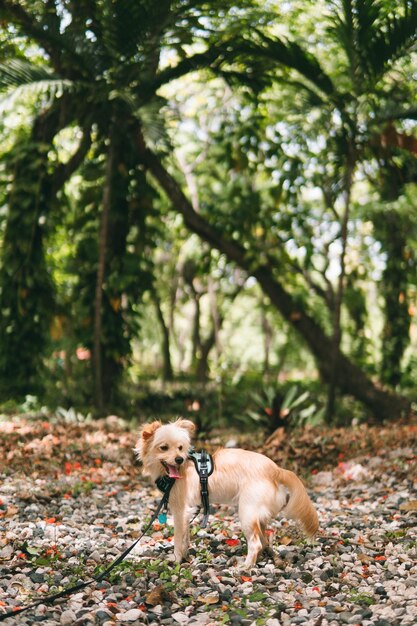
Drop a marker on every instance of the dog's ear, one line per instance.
(148, 430)
(187, 425)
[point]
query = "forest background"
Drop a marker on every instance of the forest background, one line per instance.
(209, 208)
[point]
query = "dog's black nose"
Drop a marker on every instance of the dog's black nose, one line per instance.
(179, 460)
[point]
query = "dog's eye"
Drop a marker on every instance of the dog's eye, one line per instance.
(179, 447)
(164, 448)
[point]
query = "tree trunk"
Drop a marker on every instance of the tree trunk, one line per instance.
(267, 337)
(101, 268)
(217, 318)
(195, 330)
(339, 293)
(396, 332)
(202, 368)
(167, 370)
(350, 379)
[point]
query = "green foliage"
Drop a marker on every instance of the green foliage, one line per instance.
(365, 599)
(289, 115)
(291, 408)
(26, 297)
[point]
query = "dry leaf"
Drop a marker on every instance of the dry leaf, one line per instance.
(276, 438)
(158, 595)
(11, 511)
(409, 506)
(285, 541)
(364, 558)
(210, 598)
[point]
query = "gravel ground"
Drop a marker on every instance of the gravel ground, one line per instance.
(361, 569)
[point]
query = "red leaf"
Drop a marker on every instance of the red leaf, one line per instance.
(246, 579)
(232, 542)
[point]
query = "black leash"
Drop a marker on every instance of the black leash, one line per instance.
(99, 577)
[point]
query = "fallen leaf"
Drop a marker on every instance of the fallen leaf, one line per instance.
(364, 558)
(11, 511)
(409, 506)
(232, 542)
(276, 438)
(209, 598)
(285, 541)
(158, 595)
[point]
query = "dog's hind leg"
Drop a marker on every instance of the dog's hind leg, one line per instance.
(267, 544)
(251, 527)
(268, 549)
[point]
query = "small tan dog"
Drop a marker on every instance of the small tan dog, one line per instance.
(251, 481)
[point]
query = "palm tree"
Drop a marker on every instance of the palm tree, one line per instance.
(106, 58)
(104, 65)
(372, 38)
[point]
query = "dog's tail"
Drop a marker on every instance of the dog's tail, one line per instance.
(299, 506)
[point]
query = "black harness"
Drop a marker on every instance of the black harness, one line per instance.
(204, 466)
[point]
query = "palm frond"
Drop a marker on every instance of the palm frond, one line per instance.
(367, 15)
(397, 113)
(290, 54)
(154, 125)
(373, 37)
(22, 80)
(18, 73)
(394, 38)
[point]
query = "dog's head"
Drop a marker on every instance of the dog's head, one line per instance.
(163, 448)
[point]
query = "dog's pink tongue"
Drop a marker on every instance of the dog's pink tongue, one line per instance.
(173, 472)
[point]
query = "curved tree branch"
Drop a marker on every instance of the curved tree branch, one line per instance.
(351, 379)
(64, 171)
(54, 44)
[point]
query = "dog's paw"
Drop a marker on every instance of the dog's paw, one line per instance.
(240, 566)
(180, 557)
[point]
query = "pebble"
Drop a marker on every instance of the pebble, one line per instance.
(362, 564)
(68, 618)
(130, 616)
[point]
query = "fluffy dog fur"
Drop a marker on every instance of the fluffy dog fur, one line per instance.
(251, 481)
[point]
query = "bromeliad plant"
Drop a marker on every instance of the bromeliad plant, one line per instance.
(285, 409)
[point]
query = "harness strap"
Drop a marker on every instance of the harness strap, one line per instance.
(204, 466)
(204, 487)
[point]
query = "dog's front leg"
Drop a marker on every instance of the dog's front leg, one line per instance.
(181, 533)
